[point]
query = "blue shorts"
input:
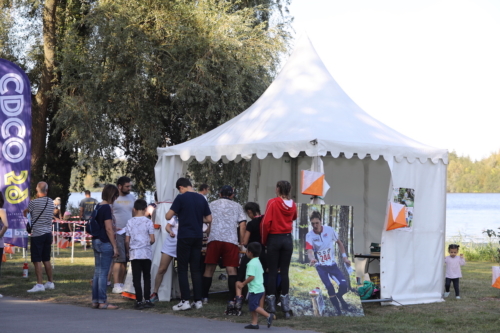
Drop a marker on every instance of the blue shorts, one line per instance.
(254, 301)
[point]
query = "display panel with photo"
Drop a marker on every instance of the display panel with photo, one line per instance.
(322, 280)
(406, 197)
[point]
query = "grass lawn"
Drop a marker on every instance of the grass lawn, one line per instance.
(477, 311)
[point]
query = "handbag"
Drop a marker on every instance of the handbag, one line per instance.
(29, 225)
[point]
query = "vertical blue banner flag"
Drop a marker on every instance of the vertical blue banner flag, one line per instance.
(15, 148)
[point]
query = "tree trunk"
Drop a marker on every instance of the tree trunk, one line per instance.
(344, 238)
(43, 96)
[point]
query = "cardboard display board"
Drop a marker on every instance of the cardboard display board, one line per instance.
(315, 272)
(406, 198)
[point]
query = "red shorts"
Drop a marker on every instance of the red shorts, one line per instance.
(228, 251)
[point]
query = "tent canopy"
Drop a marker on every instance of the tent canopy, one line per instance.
(303, 104)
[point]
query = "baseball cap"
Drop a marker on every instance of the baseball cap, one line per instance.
(226, 191)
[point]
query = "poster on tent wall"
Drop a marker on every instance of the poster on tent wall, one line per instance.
(15, 148)
(405, 196)
(318, 270)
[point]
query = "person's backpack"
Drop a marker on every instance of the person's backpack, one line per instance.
(366, 290)
(92, 226)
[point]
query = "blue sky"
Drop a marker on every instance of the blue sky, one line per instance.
(429, 69)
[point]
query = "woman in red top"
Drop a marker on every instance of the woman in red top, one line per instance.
(276, 232)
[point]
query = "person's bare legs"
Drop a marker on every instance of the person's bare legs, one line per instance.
(38, 272)
(164, 263)
(209, 270)
(229, 270)
(118, 272)
(260, 310)
(48, 270)
(255, 318)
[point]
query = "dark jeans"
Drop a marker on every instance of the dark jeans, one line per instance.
(103, 254)
(141, 268)
(455, 285)
(189, 254)
(325, 272)
(279, 255)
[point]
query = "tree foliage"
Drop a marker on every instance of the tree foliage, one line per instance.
(467, 176)
(152, 73)
(114, 80)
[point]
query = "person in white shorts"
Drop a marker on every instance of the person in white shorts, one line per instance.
(168, 252)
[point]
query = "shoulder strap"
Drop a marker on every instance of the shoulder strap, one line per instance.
(46, 202)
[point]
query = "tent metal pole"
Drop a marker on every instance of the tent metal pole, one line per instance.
(294, 177)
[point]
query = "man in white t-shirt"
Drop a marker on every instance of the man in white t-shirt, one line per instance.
(320, 246)
(122, 212)
(227, 215)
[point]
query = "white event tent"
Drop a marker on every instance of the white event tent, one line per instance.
(303, 114)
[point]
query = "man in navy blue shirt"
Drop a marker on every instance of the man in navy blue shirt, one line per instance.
(192, 211)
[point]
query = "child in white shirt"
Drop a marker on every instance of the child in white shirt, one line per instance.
(139, 237)
(453, 271)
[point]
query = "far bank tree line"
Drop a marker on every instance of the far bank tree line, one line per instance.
(112, 80)
(467, 176)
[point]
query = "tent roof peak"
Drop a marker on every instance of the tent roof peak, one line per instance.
(304, 103)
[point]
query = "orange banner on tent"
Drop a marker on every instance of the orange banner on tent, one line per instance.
(397, 216)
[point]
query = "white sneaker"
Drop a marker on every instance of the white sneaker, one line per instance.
(182, 306)
(204, 301)
(49, 285)
(446, 294)
(458, 297)
(1, 295)
(117, 289)
(36, 288)
(198, 305)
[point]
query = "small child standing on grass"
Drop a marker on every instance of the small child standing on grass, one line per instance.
(255, 281)
(139, 237)
(453, 271)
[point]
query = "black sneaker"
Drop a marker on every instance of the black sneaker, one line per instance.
(252, 327)
(139, 305)
(148, 304)
(270, 320)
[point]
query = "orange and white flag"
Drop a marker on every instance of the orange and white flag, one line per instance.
(312, 183)
(397, 216)
(496, 277)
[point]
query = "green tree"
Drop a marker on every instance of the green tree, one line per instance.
(113, 80)
(154, 73)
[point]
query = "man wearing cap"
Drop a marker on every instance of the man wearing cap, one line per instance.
(227, 216)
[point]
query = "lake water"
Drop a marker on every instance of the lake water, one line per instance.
(467, 214)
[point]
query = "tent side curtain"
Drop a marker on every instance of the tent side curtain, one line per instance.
(412, 262)
(167, 170)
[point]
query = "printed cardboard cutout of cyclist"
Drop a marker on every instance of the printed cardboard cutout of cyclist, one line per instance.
(320, 246)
